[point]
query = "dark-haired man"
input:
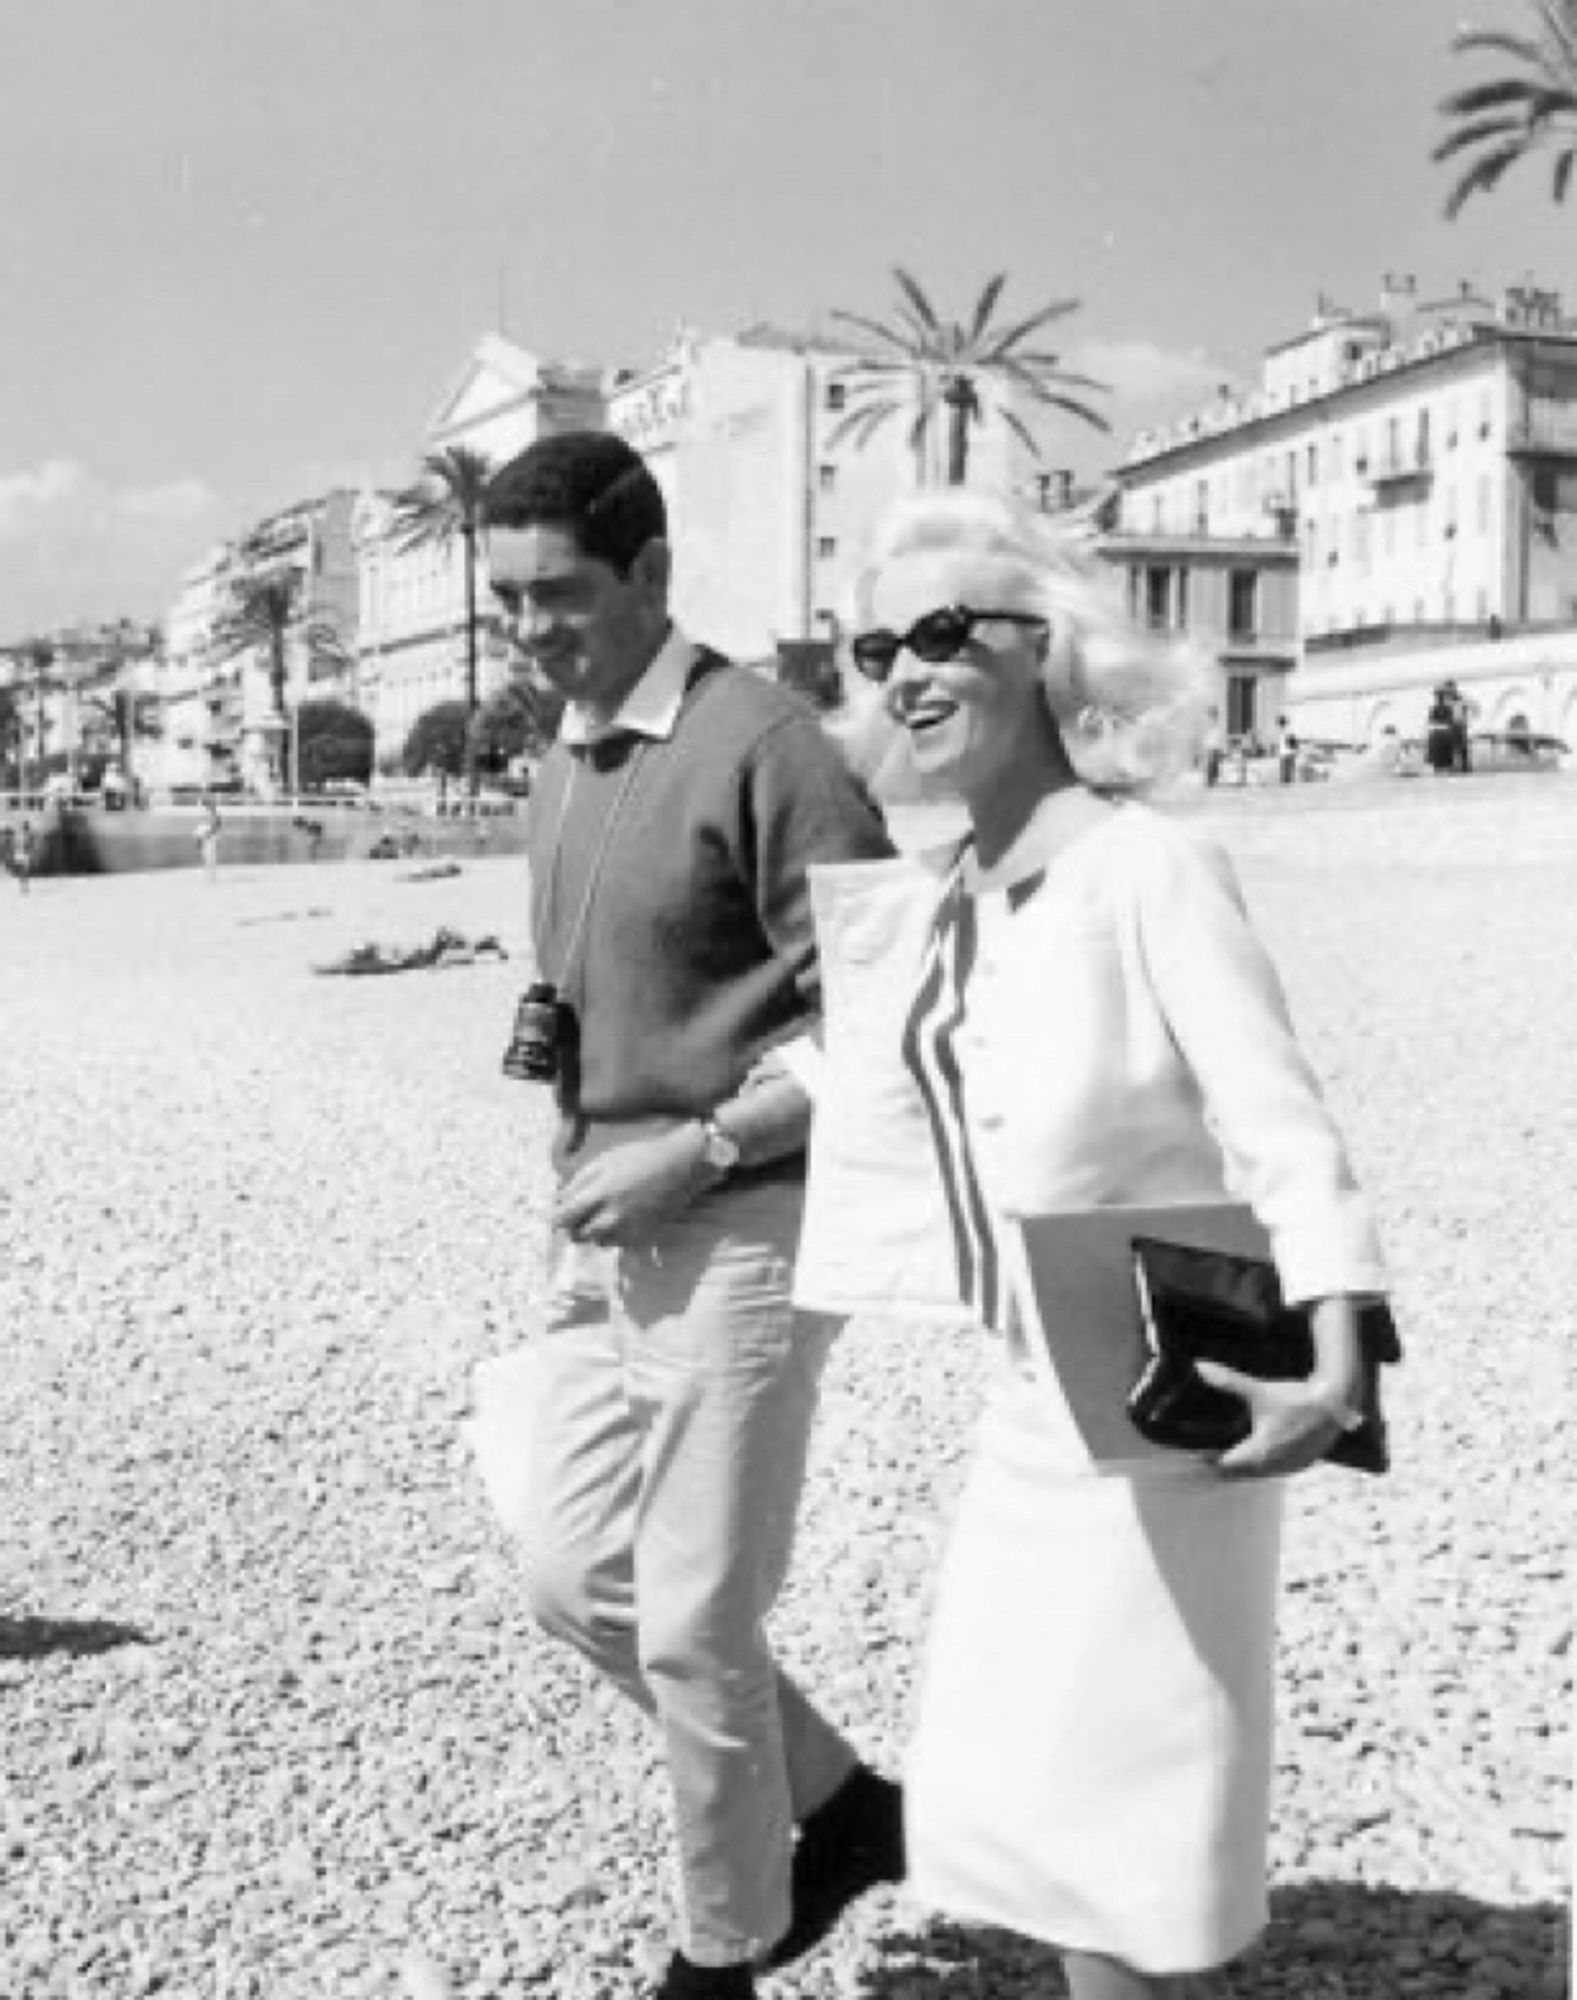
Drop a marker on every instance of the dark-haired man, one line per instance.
(664, 1430)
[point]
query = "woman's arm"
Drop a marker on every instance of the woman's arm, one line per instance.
(1221, 999)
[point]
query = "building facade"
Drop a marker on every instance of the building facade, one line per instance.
(768, 514)
(1394, 504)
(220, 726)
(411, 639)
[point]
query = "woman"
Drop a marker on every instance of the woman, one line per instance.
(1065, 1011)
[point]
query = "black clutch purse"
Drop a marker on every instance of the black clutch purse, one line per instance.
(1208, 1305)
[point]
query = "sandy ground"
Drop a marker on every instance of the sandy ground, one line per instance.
(273, 1722)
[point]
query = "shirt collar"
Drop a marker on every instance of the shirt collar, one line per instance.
(651, 708)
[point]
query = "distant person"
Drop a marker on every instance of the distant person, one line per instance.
(1213, 748)
(1462, 713)
(24, 851)
(1440, 734)
(207, 835)
(1286, 751)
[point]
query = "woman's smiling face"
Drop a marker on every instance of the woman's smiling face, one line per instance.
(968, 718)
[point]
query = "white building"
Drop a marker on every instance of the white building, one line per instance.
(219, 722)
(411, 641)
(768, 517)
(1416, 467)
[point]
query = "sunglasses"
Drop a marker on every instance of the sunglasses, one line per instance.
(938, 636)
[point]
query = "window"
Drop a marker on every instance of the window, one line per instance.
(1243, 603)
(1180, 604)
(836, 396)
(1202, 507)
(826, 546)
(1314, 464)
(1422, 454)
(1158, 598)
(827, 477)
(1334, 456)
(1240, 704)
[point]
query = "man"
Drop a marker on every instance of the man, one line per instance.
(1461, 713)
(664, 1430)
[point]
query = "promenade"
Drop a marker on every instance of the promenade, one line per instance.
(272, 1723)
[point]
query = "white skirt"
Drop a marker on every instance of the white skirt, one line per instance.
(1092, 1761)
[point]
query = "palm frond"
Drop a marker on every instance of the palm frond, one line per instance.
(917, 298)
(1003, 342)
(857, 425)
(1022, 431)
(1564, 162)
(1477, 97)
(902, 340)
(985, 306)
(1474, 132)
(1484, 174)
(1086, 415)
(1043, 383)
(1491, 41)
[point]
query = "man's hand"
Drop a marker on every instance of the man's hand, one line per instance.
(1293, 1424)
(628, 1192)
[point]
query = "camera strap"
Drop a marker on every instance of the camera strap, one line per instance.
(605, 835)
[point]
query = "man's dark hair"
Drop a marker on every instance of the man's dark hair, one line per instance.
(589, 483)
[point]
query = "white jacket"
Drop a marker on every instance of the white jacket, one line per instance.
(1127, 1042)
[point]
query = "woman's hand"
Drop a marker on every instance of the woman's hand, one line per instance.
(1294, 1424)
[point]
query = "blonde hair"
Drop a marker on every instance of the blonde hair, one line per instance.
(1129, 704)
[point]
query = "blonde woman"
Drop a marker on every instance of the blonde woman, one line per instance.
(1069, 1010)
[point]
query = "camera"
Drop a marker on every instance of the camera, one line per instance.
(541, 1030)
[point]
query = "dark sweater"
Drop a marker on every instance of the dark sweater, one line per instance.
(698, 951)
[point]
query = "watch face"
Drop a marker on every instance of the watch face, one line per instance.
(721, 1151)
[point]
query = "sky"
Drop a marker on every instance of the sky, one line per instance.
(247, 245)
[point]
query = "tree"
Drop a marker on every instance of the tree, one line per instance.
(936, 370)
(520, 720)
(445, 504)
(1506, 119)
(334, 742)
(438, 740)
(263, 612)
(132, 715)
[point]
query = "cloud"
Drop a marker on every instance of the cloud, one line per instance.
(77, 546)
(1141, 372)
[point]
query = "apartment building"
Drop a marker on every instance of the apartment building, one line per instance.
(220, 724)
(768, 515)
(1394, 503)
(411, 642)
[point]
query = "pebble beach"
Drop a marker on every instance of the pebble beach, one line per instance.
(272, 1722)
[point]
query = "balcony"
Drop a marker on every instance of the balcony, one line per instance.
(1399, 471)
(1552, 436)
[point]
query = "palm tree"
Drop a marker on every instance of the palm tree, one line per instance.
(264, 610)
(1509, 117)
(928, 366)
(443, 505)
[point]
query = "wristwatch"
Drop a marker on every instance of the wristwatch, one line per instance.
(717, 1148)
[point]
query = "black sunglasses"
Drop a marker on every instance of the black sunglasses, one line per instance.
(938, 636)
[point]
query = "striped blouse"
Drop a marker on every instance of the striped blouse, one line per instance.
(931, 1052)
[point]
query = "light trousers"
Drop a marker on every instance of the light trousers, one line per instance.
(664, 1418)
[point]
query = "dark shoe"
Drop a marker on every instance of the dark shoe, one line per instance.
(849, 1845)
(684, 1981)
